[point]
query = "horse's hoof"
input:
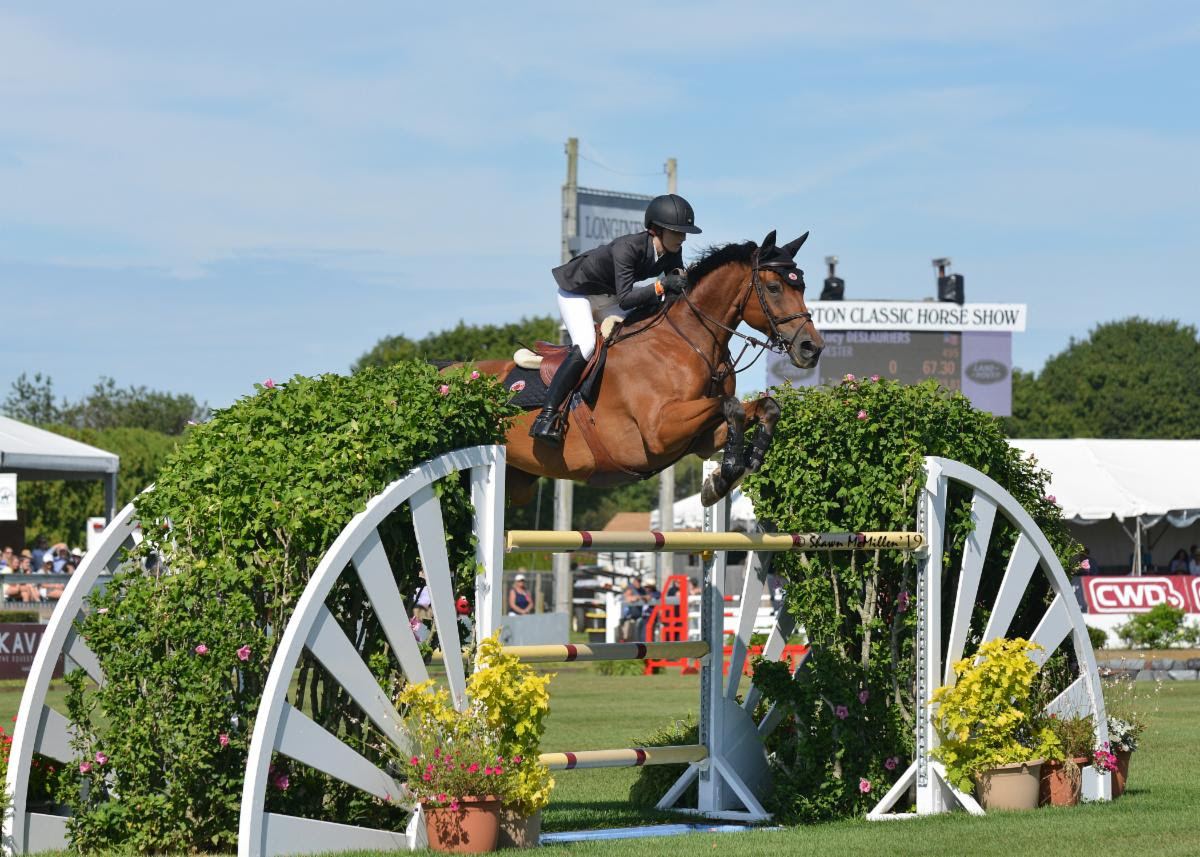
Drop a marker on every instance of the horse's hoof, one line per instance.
(709, 493)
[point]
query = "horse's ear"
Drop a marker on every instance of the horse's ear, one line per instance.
(768, 242)
(793, 246)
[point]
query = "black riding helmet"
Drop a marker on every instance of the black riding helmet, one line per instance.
(671, 211)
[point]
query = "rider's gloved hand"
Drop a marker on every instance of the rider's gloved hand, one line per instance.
(673, 283)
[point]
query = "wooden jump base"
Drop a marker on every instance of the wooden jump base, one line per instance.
(628, 758)
(613, 540)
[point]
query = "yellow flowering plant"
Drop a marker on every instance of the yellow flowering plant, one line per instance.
(983, 719)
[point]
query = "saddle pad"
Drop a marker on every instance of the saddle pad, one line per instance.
(527, 388)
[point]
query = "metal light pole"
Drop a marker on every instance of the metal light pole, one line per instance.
(564, 489)
(664, 563)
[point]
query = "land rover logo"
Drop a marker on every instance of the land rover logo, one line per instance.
(987, 371)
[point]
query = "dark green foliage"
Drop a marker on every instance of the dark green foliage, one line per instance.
(850, 459)
(653, 781)
(463, 342)
(1129, 379)
(1160, 627)
(59, 510)
(253, 498)
(19, 616)
(1098, 637)
(106, 407)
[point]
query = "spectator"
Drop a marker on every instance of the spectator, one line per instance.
(1179, 562)
(40, 546)
(775, 591)
(25, 592)
(519, 602)
(60, 555)
(423, 608)
(1194, 560)
(631, 608)
(6, 558)
(55, 590)
(650, 597)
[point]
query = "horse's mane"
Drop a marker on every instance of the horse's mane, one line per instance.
(714, 257)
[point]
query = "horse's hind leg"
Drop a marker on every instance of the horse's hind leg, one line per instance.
(765, 414)
(724, 479)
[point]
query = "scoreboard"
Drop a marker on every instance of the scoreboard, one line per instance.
(975, 359)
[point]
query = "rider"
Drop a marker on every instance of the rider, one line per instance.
(600, 282)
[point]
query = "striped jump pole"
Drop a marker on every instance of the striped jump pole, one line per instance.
(629, 758)
(614, 540)
(556, 654)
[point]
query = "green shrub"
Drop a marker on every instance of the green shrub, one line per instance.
(20, 616)
(1160, 627)
(653, 781)
(241, 514)
(1098, 636)
(849, 458)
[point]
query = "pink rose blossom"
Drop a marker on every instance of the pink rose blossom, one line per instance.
(101, 759)
(902, 602)
(862, 415)
(516, 760)
(849, 377)
(243, 653)
(102, 610)
(475, 375)
(1085, 565)
(223, 740)
(864, 786)
(863, 696)
(1050, 498)
(444, 389)
(282, 782)
(84, 767)
(387, 796)
(202, 649)
(269, 384)
(874, 377)
(891, 763)
(842, 712)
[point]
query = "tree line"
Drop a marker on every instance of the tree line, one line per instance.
(1133, 378)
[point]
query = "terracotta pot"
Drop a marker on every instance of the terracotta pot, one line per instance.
(1121, 774)
(1060, 785)
(1012, 786)
(518, 830)
(472, 827)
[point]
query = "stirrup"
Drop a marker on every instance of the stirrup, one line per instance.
(547, 427)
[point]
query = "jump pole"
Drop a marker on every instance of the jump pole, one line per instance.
(613, 540)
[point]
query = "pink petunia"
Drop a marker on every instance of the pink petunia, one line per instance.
(269, 384)
(414, 761)
(454, 806)
(202, 649)
(891, 763)
(444, 389)
(84, 767)
(101, 759)
(862, 415)
(842, 712)
(475, 375)
(863, 696)
(426, 776)
(864, 785)
(243, 653)
(473, 768)
(441, 797)
(223, 740)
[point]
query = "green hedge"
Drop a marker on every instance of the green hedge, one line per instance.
(849, 458)
(242, 513)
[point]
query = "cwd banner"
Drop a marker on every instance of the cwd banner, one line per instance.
(1140, 594)
(8, 496)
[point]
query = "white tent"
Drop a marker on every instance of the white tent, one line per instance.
(689, 514)
(35, 454)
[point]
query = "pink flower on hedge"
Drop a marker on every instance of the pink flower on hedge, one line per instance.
(842, 712)
(454, 805)
(414, 761)
(864, 785)
(101, 759)
(223, 740)
(269, 384)
(863, 696)
(487, 770)
(444, 389)
(902, 602)
(282, 782)
(874, 377)
(1050, 498)
(202, 649)
(475, 375)
(426, 776)
(849, 377)
(516, 760)
(891, 763)
(1086, 565)
(473, 768)
(243, 653)
(84, 767)
(862, 415)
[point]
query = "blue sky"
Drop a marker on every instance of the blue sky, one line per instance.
(196, 198)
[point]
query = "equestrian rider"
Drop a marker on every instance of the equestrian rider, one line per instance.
(601, 281)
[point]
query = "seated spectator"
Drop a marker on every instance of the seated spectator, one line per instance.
(519, 602)
(6, 558)
(1179, 562)
(55, 590)
(24, 592)
(1194, 560)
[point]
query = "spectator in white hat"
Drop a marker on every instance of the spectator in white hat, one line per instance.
(519, 602)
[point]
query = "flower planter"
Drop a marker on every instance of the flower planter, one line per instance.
(1121, 774)
(1060, 785)
(471, 827)
(518, 830)
(1013, 786)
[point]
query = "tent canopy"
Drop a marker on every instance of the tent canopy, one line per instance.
(1094, 480)
(33, 453)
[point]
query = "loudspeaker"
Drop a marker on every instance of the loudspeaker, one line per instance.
(951, 288)
(835, 289)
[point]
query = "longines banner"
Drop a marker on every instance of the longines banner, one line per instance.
(605, 215)
(1140, 594)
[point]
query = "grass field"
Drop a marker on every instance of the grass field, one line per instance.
(1159, 814)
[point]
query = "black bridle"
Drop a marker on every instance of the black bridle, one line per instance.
(726, 364)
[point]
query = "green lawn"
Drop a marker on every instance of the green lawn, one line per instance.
(1159, 814)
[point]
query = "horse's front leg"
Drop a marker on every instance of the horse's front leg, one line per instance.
(725, 478)
(764, 413)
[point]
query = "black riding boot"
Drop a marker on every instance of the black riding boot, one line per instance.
(546, 426)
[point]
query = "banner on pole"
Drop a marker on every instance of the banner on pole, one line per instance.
(8, 496)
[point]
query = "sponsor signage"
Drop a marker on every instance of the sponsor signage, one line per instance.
(18, 643)
(1140, 594)
(918, 315)
(8, 496)
(604, 215)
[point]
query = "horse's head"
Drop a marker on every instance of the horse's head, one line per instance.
(777, 307)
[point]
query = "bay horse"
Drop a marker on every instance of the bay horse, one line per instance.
(668, 388)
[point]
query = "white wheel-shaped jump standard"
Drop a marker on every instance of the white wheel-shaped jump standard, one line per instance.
(1053, 625)
(282, 728)
(45, 730)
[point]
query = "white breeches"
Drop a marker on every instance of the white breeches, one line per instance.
(580, 313)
